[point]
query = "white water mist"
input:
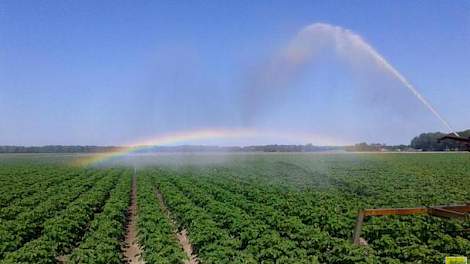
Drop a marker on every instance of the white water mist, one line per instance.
(313, 38)
(311, 41)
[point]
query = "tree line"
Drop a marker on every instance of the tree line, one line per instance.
(422, 142)
(57, 149)
(183, 148)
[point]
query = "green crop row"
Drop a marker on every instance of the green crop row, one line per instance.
(62, 232)
(156, 234)
(211, 243)
(45, 189)
(313, 200)
(28, 225)
(282, 208)
(102, 242)
(265, 233)
(18, 183)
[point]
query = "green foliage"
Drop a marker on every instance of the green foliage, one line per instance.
(156, 234)
(23, 222)
(283, 208)
(102, 242)
(296, 208)
(61, 232)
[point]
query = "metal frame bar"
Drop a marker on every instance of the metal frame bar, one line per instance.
(447, 211)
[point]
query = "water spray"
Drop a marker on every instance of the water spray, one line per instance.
(315, 37)
(392, 70)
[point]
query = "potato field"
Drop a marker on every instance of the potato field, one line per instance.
(231, 208)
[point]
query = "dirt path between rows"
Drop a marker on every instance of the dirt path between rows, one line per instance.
(182, 236)
(131, 249)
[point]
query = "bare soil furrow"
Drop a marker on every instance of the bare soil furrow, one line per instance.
(182, 235)
(132, 251)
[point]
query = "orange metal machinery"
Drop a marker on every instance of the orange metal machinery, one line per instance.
(446, 211)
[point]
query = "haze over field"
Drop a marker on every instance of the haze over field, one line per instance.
(231, 73)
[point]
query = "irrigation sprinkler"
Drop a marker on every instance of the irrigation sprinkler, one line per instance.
(465, 141)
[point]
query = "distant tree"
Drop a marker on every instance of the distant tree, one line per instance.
(429, 142)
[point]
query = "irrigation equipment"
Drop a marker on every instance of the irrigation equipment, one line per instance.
(463, 140)
(461, 212)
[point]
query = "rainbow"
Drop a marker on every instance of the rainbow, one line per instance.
(205, 134)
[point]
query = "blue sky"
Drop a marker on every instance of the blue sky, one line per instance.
(111, 72)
